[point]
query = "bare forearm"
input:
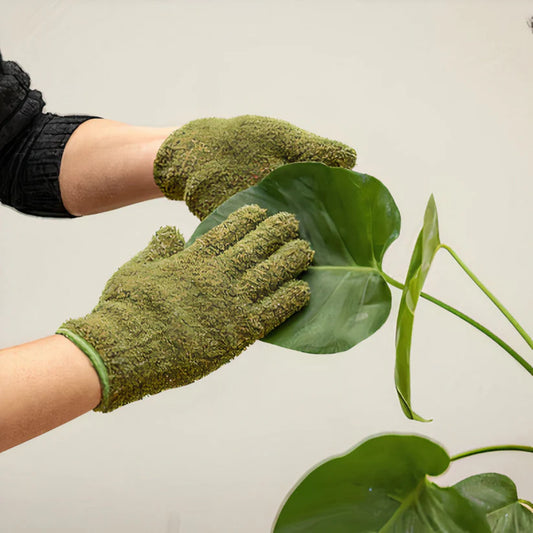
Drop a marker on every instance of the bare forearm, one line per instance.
(43, 384)
(108, 164)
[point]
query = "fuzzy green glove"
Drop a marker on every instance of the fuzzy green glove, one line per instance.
(171, 315)
(208, 160)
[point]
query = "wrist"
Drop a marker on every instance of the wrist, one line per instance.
(43, 384)
(107, 165)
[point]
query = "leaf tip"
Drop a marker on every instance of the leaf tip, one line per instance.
(408, 412)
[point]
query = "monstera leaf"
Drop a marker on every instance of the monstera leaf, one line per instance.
(382, 485)
(350, 219)
(426, 247)
(496, 496)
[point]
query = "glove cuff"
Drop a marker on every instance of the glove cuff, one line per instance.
(168, 172)
(116, 338)
(90, 351)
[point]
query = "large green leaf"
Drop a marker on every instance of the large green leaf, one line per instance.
(496, 496)
(350, 219)
(381, 485)
(426, 246)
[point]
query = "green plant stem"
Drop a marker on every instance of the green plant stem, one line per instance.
(405, 504)
(526, 504)
(502, 448)
(491, 296)
(468, 319)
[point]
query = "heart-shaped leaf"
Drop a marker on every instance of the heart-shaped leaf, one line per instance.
(426, 246)
(381, 485)
(350, 219)
(496, 496)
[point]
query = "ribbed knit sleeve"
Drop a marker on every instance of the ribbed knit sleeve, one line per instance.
(31, 146)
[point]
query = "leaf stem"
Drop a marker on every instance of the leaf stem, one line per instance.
(405, 504)
(468, 319)
(526, 504)
(502, 448)
(491, 296)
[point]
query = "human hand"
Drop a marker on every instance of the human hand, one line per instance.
(208, 160)
(172, 315)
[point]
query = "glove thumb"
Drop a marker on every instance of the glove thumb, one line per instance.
(310, 147)
(166, 242)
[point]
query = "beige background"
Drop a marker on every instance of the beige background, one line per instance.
(436, 96)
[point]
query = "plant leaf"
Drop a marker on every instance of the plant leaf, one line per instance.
(350, 219)
(496, 496)
(426, 246)
(381, 485)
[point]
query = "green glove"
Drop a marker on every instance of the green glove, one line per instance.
(208, 160)
(171, 315)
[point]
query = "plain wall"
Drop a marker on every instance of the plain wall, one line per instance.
(437, 97)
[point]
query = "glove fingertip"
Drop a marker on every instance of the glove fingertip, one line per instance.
(166, 241)
(169, 241)
(290, 298)
(336, 154)
(304, 247)
(300, 291)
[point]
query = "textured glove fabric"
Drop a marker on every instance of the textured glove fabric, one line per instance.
(171, 315)
(208, 160)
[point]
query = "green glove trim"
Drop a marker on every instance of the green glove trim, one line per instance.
(93, 356)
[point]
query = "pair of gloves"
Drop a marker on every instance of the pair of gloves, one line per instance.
(172, 315)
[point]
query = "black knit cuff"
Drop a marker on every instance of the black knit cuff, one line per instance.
(18, 104)
(30, 163)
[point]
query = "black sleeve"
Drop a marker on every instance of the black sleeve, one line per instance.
(31, 146)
